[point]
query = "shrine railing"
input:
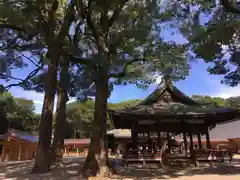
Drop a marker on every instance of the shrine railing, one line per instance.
(212, 155)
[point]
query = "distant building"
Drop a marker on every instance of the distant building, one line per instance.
(17, 145)
(227, 133)
(76, 147)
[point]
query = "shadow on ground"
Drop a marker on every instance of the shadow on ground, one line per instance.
(21, 171)
(224, 169)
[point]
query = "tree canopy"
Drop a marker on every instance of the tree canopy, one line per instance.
(17, 113)
(213, 34)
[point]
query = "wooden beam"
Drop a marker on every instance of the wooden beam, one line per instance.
(168, 127)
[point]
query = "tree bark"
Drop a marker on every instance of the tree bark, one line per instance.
(58, 141)
(97, 162)
(42, 161)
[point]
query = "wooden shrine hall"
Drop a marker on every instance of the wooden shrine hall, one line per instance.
(166, 112)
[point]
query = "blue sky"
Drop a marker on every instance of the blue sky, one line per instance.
(198, 82)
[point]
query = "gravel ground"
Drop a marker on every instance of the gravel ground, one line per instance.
(220, 171)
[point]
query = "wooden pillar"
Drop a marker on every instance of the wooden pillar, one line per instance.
(19, 152)
(199, 141)
(169, 143)
(208, 140)
(191, 143)
(27, 153)
(185, 143)
(3, 152)
(65, 151)
(134, 135)
(158, 139)
(149, 141)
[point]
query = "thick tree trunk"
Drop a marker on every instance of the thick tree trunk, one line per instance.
(97, 162)
(42, 161)
(58, 141)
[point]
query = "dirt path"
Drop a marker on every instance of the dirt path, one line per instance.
(226, 171)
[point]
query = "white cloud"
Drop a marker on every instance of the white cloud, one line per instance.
(158, 80)
(37, 98)
(226, 92)
(72, 100)
(37, 102)
(31, 95)
(223, 90)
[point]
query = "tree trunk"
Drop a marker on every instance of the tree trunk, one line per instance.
(58, 141)
(42, 161)
(97, 162)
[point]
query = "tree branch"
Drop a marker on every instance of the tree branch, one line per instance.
(76, 34)
(22, 81)
(91, 25)
(67, 21)
(228, 7)
(23, 33)
(5, 76)
(13, 27)
(83, 61)
(33, 62)
(116, 13)
(124, 71)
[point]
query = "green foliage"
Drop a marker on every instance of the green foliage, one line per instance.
(233, 102)
(124, 104)
(136, 32)
(80, 116)
(217, 39)
(211, 101)
(18, 113)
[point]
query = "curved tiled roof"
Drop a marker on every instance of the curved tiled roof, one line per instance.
(169, 100)
(167, 85)
(228, 130)
(22, 135)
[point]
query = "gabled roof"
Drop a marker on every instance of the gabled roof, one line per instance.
(169, 100)
(167, 86)
(21, 135)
